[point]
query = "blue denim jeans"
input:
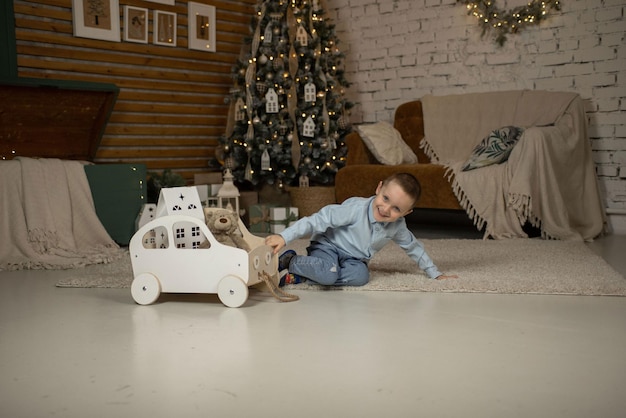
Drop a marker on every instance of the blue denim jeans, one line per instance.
(327, 265)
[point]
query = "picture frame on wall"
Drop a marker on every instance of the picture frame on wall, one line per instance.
(96, 19)
(169, 2)
(201, 22)
(164, 28)
(135, 24)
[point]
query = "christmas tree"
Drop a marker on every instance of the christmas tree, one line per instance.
(288, 116)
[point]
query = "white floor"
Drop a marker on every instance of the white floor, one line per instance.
(94, 353)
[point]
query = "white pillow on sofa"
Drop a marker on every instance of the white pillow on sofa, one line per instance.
(386, 143)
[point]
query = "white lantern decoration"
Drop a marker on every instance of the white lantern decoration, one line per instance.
(228, 195)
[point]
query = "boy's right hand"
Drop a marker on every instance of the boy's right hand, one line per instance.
(275, 241)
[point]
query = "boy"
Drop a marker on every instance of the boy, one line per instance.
(345, 237)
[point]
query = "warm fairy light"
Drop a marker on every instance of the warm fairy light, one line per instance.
(505, 22)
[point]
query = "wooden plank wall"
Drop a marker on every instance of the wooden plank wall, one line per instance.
(171, 110)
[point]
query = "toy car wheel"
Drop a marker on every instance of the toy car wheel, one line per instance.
(145, 289)
(232, 291)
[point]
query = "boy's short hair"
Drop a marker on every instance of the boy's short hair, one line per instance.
(408, 183)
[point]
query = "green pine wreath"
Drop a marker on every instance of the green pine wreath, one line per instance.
(504, 22)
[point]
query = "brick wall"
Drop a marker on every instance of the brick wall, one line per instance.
(399, 50)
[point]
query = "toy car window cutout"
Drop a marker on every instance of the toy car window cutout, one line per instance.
(188, 235)
(155, 238)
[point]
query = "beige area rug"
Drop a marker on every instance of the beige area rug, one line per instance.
(531, 266)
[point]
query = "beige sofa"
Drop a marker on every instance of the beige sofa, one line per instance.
(548, 180)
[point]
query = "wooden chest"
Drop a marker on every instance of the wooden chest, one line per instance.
(53, 118)
(43, 118)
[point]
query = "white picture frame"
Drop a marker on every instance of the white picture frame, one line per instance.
(201, 24)
(164, 24)
(96, 19)
(136, 24)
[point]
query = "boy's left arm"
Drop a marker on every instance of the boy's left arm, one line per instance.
(415, 249)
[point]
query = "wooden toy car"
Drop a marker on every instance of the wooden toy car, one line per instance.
(179, 254)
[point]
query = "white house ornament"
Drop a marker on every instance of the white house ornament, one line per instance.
(240, 110)
(302, 36)
(271, 101)
(308, 128)
(310, 92)
(265, 161)
(267, 35)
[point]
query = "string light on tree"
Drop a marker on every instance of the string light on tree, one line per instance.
(288, 115)
(504, 22)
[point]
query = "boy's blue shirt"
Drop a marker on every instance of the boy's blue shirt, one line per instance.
(351, 227)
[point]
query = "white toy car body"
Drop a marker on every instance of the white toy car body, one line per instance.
(179, 254)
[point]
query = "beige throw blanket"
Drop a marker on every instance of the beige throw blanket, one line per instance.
(48, 218)
(549, 179)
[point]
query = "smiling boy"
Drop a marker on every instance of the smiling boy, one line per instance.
(345, 237)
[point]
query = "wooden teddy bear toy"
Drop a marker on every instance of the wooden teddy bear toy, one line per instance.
(224, 225)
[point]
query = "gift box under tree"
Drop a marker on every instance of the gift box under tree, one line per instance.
(260, 218)
(281, 218)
